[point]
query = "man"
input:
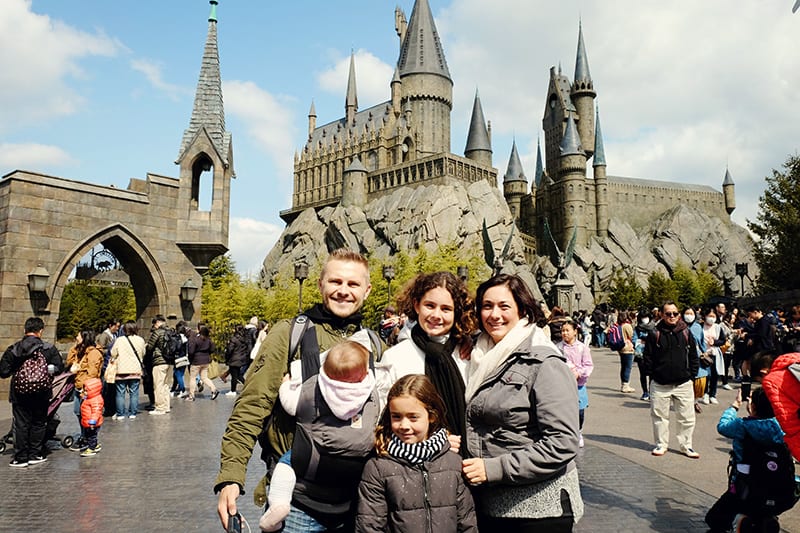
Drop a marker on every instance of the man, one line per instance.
(344, 285)
(671, 360)
(29, 410)
(105, 341)
(162, 370)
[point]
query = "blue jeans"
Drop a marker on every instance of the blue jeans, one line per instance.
(131, 386)
(625, 365)
(76, 408)
(177, 374)
(299, 522)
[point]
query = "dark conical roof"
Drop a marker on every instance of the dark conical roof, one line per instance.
(537, 177)
(728, 179)
(581, 61)
(599, 150)
(478, 137)
(352, 97)
(515, 171)
(208, 111)
(571, 143)
(421, 51)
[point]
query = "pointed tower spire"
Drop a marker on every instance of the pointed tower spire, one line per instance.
(478, 143)
(537, 177)
(351, 100)
(208, 111)
(312, 118)
(571, 144)
(729, 192)
(582, 95)
(421, 51)
(599, 150)
(515, 172)
(581, 61)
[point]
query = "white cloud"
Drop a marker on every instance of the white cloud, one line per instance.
(152, 71)
(249, 242)
(373, 77)
(40, 57)
(32, 156)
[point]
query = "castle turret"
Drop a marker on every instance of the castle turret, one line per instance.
(479, 146)
(600, 180)
(427, 86)
(729, 192)
(515, 184)
(351, 100)
(559, 105)
(571, 177)
(583, 95)
(312, 119)
(354, 185)
(397, 88)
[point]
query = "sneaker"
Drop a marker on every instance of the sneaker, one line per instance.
(214, 395)
(231, 393)
(98, 447)
(78, 445)
(690, 453)
(713, 400)
(659, 450)
(132, 417)
(705, 399)
(200, 387)
(697, 408)
(626, 388)
(175, 393)
(189, 398)
(118, 417)
(35, 460)
(183, 394)
(157, 412)
(580, 442)
(645, 397)
(18, 464)
(88, 452)
(727, 387)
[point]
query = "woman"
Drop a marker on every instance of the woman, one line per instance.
(85, 361)
(443, 318)
(522, 418)
(237, 356)
(199, 358)
(714, 337)
(127, 353)
(579, 360)
(556, 320)
(626, 353)
(700, 379)
(643, 329)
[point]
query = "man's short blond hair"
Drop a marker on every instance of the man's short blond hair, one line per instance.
(346, 255)
(346, 361)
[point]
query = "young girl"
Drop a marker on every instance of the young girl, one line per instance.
(579, 360)
(414, 484)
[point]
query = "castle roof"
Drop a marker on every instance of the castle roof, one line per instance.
(599, 150)
(564, 91)
(728, 179)
(208, 111)
(537, 177)
(571, 143)
(514, 171)
(352, 98)
(371, 118)
(356, 166)
(478, 137)
(641, 182)
(581, 61)
(421, 51)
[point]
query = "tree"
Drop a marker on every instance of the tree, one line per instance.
(686, 284)
(660, 289)
(626, 293)
(776, 228)
(88, 305)
(708, 285)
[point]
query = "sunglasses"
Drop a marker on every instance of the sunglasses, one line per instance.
(671, 314)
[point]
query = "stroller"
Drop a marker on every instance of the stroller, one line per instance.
(62, 388)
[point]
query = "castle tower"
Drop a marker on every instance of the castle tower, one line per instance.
(729, 192)
(427, 86)
(515, 184)
(351, 100)
(559, 105)
(583, 95)
(397, 88)
(312, 119)
(206, 152)
(600, 181)
(479, 145)
(570, 183)
(354, 185)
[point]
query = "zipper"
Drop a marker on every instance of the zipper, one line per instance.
(426, 496)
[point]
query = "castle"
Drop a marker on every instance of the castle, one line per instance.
(405, 141)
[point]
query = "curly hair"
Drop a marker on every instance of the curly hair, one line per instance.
(464, 320)
(417, 386)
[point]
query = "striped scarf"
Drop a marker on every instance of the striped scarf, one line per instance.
(418, 452)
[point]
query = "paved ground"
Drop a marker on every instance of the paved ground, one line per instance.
(155, 473)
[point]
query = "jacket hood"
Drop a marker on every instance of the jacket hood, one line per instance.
(28, 345)
(93, 387)
(680, 326)
(785, 361)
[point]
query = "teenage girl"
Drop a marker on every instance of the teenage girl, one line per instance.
(415, 482)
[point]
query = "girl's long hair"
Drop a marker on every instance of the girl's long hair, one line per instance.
(417, 386)
(87, 341)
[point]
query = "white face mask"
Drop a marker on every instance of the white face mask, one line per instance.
(710, 320)
(688, 318)
(645, 320)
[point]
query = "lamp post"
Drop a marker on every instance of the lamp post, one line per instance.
(741, 271)
(463, 273)
(188, 290)
(37, 287)
(300, 274)
(388, 275)
(578, 301)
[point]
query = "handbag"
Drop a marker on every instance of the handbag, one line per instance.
(706, 360)
(182, 361)
(213, 369)
(111, 372)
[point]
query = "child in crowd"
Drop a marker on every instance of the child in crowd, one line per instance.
(579, 360)
(414, 484)
(761, 428)
(347, 385)
(92, 415)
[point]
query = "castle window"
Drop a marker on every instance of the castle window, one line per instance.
(202, 183)
(372, 161)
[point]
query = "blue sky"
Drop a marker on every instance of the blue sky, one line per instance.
(102, 91)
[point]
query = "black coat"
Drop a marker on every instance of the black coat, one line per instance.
(18, 352)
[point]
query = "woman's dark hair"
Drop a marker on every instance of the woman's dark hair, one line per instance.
(87, 341)
(464, 320)
(526, 303)
(417, 386)
(130, 328)
(761, 406)
(204, 331)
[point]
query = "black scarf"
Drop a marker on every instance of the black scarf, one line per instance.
(443, 373)
(319, 314)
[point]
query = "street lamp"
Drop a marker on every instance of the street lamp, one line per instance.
(188, 290)
(463, 273)
(578, 300)
(388, 275)
(300, 274)
(741, 271)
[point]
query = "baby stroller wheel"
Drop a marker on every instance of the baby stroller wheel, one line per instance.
(8, 438)
(67, 441)
(2, 447)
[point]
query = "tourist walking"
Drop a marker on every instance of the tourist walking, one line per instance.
(200, 349)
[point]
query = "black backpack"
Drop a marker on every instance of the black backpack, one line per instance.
(770, 487)
(173, 346)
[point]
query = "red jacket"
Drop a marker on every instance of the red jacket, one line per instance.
(92, 405)
(782, 385)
